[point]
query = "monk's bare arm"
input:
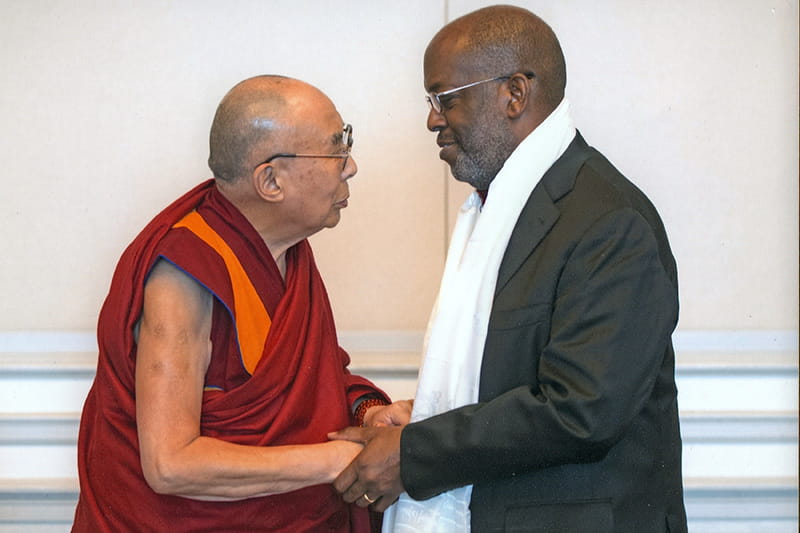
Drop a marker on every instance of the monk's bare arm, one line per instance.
(172, 359)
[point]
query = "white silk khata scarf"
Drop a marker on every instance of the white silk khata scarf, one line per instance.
(457, 329)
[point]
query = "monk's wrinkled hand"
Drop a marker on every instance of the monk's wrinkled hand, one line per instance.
(373, 478)
(396, 414)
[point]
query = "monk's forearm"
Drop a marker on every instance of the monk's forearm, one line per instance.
(211, 469)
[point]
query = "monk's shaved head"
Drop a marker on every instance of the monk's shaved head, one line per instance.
(251, 115)
(503, 40)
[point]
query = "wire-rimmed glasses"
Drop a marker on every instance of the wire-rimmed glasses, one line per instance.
(347, 142)
(436, 103)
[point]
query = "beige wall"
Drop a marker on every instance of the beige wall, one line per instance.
(106, 107)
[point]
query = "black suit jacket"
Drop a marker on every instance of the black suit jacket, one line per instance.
(576, 428)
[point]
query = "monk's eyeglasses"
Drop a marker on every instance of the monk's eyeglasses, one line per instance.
(434, 98)
(347, 142)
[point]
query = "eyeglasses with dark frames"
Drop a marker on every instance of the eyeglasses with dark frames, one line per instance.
(436, 103)
(347, 142)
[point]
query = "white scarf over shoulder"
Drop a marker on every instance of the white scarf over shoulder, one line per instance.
(450, 372)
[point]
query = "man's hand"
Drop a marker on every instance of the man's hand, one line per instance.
(396, 414)
(373, 478)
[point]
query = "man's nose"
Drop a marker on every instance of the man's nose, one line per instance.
(436, 120)
(350, 168)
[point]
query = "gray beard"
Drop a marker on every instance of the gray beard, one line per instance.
(475, 173)
(481, 156)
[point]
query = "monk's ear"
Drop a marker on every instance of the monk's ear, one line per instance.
(266, 182)
(519, 88)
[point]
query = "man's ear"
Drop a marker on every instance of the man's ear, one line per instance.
(267, 184)
(519, 87)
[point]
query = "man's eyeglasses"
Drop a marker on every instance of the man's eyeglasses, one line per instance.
(347, 142)
(436, 103)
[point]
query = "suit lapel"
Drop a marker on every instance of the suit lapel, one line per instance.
(540, 212)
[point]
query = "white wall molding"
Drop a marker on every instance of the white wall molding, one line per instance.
(735, 340)
(24, 429)
(32, 429)
(47, 341)
(726, 341)
(737, 393)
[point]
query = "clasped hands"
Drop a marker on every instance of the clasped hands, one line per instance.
(373, 477)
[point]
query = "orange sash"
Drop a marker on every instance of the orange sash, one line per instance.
(250, 316)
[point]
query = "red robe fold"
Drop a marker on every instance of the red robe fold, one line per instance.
(296, 392)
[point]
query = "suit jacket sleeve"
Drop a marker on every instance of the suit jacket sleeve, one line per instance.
(594, 348)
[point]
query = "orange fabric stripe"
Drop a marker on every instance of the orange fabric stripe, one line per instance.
(249, 314)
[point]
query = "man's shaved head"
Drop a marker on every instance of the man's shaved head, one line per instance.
(251, 115)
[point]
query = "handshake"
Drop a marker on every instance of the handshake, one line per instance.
(372, 478)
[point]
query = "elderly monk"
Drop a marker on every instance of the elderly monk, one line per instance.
(219, 373)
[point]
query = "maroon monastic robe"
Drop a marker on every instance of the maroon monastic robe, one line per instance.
(277, 376)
